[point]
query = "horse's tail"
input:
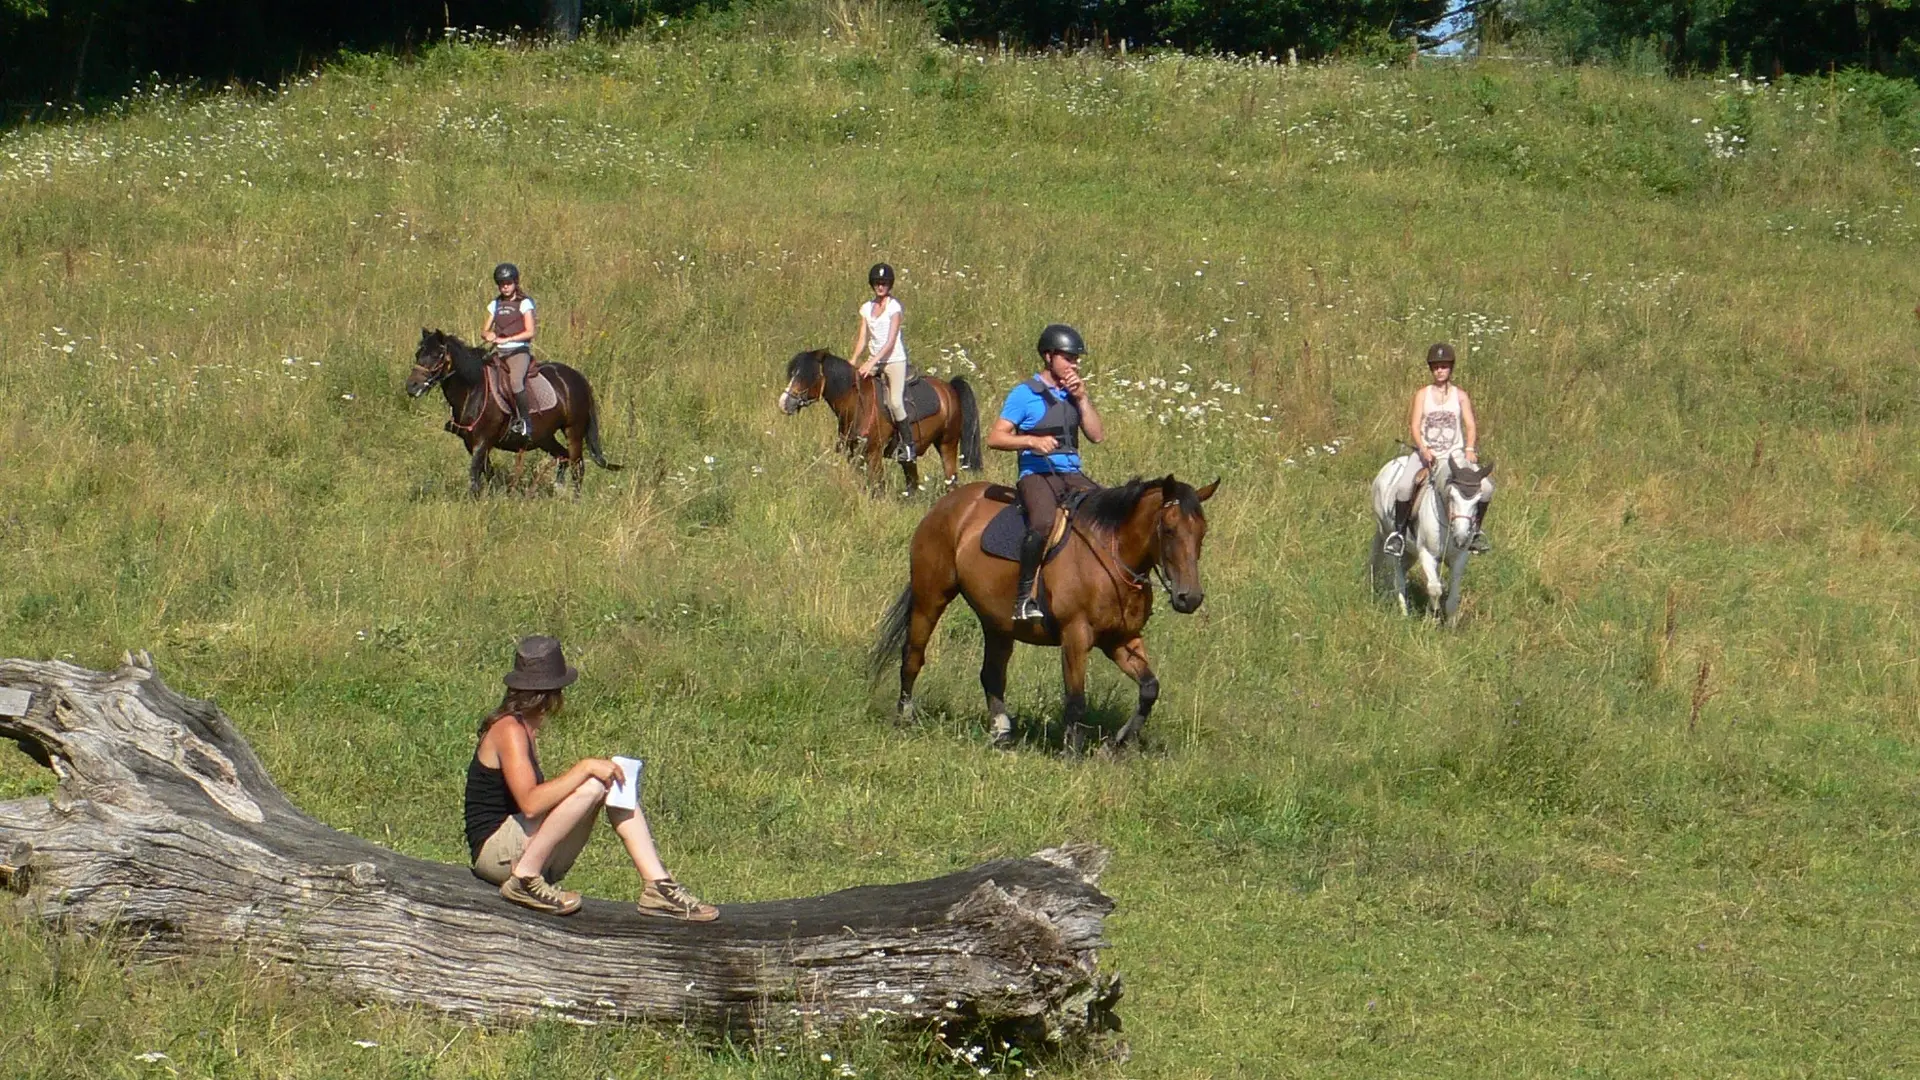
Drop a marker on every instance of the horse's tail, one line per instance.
(593, 430)
(892, 641)
(969, 426)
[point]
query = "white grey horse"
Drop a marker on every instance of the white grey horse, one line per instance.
(1437, 543)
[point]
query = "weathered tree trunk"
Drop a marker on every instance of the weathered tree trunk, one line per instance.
(166, 824)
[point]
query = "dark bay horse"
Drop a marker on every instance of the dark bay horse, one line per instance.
(864, 430)
(1098, 591)
(480, 420)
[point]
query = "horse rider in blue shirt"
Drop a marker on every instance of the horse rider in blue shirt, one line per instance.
(1043, 419)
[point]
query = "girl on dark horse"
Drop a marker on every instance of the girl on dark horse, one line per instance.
(509, 329)
(482, 418)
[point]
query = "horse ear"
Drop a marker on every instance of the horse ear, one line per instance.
(1486, 468)
(1206, 493)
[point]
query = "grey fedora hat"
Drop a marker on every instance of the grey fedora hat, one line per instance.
(539, 665)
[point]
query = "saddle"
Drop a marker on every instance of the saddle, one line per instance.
(1001, 537)
(541, 393)
(921, 399)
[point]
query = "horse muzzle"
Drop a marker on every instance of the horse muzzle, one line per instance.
(1186, 601)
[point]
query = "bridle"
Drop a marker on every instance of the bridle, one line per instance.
(801, 401)
(1127, 576)
(440, 371)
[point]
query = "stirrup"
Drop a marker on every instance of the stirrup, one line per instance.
(1395, 544)
(1479, 544)
(519, 426)
(1027, 609)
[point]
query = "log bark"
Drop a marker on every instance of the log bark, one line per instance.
(165, 824)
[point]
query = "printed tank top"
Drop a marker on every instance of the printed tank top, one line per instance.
(1440, 422)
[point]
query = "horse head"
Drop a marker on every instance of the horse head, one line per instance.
(1466, 489)
(806, 381)
(1180, 526)
(432, 362)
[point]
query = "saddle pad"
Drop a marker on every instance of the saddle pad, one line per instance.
(540, 391)
(1001, 537)
(922, 400)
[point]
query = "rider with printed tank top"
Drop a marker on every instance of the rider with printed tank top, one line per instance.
(882, 334)
(1043, 419)
(509, 329)
(1441, 424)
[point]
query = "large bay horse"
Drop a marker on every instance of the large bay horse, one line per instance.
(864, 429)
(480, 417)
(1439, 546)
(1098, 590)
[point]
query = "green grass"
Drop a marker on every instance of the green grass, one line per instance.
(1356, 846)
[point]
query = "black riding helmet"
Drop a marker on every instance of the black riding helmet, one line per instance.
(881, 274)
(1440, 353)
(504, 273)
(1059, 337)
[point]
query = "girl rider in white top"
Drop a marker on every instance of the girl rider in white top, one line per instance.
(1441, 424)
(880, 334)
(509, 329)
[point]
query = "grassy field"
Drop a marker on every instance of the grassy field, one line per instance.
(1649, 811)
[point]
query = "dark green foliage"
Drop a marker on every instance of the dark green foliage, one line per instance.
(1769, 37)
(1269, 27)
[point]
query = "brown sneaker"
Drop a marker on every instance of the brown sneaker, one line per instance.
(670, 898)
(534, 892)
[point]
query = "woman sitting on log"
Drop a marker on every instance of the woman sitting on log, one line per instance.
(524, 830)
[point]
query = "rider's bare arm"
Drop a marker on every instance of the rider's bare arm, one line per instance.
(1469, 425)
(1091, 425)
(860, 342)
(1003, 436)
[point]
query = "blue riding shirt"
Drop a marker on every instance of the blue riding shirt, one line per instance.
(1034, 408)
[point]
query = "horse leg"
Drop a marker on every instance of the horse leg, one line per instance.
(1076, 640)
(576, 457)
(928, 606)
(993, 681)
(1430, 574)
(950, 460)
(479, 466)
(1131, 657)
(1456, 570)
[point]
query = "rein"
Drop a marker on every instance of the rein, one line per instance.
(1135, 580)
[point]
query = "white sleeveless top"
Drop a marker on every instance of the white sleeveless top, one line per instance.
(1440, 421)
(877, 329)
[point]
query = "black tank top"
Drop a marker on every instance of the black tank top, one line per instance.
(489, 802)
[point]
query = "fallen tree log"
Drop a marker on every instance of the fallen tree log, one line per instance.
(165, 824)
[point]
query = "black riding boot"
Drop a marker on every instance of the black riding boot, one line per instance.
(520, 426)
(1025, 608)
(903, 442)
(1479, 544)
(1396, 542)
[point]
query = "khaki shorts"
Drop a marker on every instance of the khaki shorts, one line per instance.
(509, 841)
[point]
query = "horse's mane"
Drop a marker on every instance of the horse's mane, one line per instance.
(839, 374)
(1109, 508)
(469, 363)
(807, 366)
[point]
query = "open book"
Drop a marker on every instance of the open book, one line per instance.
(626, 795)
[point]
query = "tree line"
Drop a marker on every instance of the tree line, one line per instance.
(61, 51)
